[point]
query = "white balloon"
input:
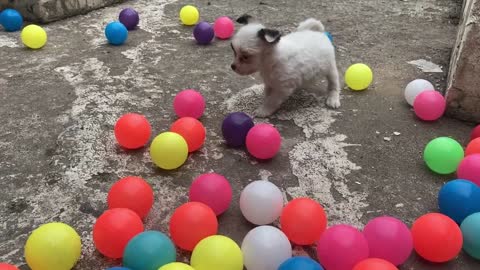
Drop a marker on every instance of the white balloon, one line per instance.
(261, 202)
(416, 87)
(265, 248)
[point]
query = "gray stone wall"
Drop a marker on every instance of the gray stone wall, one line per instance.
(463, 91)
(44, 11)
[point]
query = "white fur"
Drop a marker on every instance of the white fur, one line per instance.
(298, 60)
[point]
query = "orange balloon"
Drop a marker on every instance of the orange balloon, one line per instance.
(375, 264)
(191, 130)
(192, 222)
(6, 266)
(473, 147)
(303, 220)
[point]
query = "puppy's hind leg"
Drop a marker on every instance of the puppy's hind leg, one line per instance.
(333, 99)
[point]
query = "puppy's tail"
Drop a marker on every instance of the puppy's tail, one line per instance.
(312, 25)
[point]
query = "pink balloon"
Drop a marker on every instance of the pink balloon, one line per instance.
(189, 103)
(223, 27)
(469, 168)
(429, 105)
(263, 141)
(213, 190)
(341, 247)
(389, 239)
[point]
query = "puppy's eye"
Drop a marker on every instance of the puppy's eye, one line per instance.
(244, 58)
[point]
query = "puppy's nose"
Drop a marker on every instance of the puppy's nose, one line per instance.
(234, 66)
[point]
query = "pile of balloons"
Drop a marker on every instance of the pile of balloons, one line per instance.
(117, 32)
(32, 36)
(428, 104)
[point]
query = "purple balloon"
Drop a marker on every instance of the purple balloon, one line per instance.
(389, 239)
(235, 128)
(129, 17)
(203, 33)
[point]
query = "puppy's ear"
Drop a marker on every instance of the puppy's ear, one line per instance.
(244, 19)
(269, 35)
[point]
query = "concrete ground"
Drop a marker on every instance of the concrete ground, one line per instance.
(59, 105)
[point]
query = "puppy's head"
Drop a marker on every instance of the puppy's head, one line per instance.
(249, 43)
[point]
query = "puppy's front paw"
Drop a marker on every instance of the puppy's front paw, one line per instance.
(333, 101)
(262, 112)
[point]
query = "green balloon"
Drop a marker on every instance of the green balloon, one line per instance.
(443, 155)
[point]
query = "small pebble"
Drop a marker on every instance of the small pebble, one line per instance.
(387, 139)
(399, 205)
(396, 133)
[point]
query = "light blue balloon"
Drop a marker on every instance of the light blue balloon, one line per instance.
(329, 36)
(118, 268)
(116, 33)
(11, 20)
(149, 250)
(471, 235)
(300, 263)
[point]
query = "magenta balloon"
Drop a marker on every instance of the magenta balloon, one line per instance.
(469, 169)
(389, 239)
(341, 247)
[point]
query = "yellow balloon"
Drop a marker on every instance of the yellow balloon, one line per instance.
(169, 150)
(53, 246)
(34, 37)
(358, 77)
(217, 252)
(189, 15)
(176, 266)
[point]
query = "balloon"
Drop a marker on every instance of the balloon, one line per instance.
(149, 250)
(132, 131)
(169, 150)
(261, 202)
(223, 27)
(358, 77)
(191, 130)
(176, 266)
(475, 133)
(429, 105)
(381, 232)
(203, 33)
(34, 36)
(303, 220)
(458, 199)
(189, 15)
(11, 20)
(192, 222)
(265, 247)
(217, 252)
(113, 229)
(471, 235)
(129, 17)
(473, 147)
(443, 155)
(6, 266)
(118, 268)
(133, 193)
(53, 246)
(415, 87)
(375, 264)
(341, 247)
(469, 168)
(213, 190)
(436, 237)
(263, 141)
(189, 103)
(300, 263)
(116, 33)
(235, 128)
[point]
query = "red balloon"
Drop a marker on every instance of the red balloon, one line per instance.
(375, 264)
(133, 193)
(436, 237)
(475, 133)
(473, 147)
(191, 130)
(303, 220)
(6, 266)
(113, 229)
(192, 222)
(132, 131)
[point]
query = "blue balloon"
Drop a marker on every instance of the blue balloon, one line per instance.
(11, 20)
(149, 250)
(458, 199)
(300, 263)
(118, 268)
(116, 33)
(471, 235)
(329, 36)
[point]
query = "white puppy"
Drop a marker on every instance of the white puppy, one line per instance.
(286, 63)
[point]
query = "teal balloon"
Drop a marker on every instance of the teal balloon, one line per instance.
(471, 235)
(149, 250)
(118, 268)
